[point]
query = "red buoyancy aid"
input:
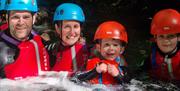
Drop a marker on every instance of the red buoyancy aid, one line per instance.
(31, 61)
(107, 79)
(71, 58)
(166, 70)
(4, 26)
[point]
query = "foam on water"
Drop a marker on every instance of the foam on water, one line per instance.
(53, 81)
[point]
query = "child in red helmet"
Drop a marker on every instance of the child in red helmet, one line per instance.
(110, 67)
(164, 62)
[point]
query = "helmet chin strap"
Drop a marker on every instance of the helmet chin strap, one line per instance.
(172, 52)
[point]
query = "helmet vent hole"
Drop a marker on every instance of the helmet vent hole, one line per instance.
(61, 12)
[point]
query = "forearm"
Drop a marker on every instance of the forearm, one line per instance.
(123, 77)
(87, 75)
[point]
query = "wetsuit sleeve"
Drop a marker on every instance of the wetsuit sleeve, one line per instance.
(49, 45)
(84, 76)
(123, 78)
(51, 48)
(2, 74)
(88, 75)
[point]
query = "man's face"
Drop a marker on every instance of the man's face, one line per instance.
(167, 42)
(20, 24)
(70, 32)
(110, 48)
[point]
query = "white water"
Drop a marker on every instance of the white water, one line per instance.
(40, 84)
(55, 84)
(52, 81)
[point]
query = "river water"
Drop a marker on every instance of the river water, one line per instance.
(61, 83)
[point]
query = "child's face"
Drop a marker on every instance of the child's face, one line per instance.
(110, 48)
(167, 42)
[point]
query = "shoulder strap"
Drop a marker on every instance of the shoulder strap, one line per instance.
(73, 53)
(153, 59)
(121, 61)
(9, 39)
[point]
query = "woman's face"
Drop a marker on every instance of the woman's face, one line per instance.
(70, 32)
(167, 42)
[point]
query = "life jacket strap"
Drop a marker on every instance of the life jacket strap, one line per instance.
(73, 53)
(37, 56)
(169, 64)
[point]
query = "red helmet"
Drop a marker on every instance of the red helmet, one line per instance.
(111, 29)
(166, 21)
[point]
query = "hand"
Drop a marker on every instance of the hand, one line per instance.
(101, 68)
(112, 70)
(7, 55)
(45, 36)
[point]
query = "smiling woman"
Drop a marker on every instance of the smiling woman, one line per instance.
(70, 53)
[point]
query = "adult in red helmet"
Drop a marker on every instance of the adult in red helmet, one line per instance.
(111, 38)
(22, 53)
(164, 62)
